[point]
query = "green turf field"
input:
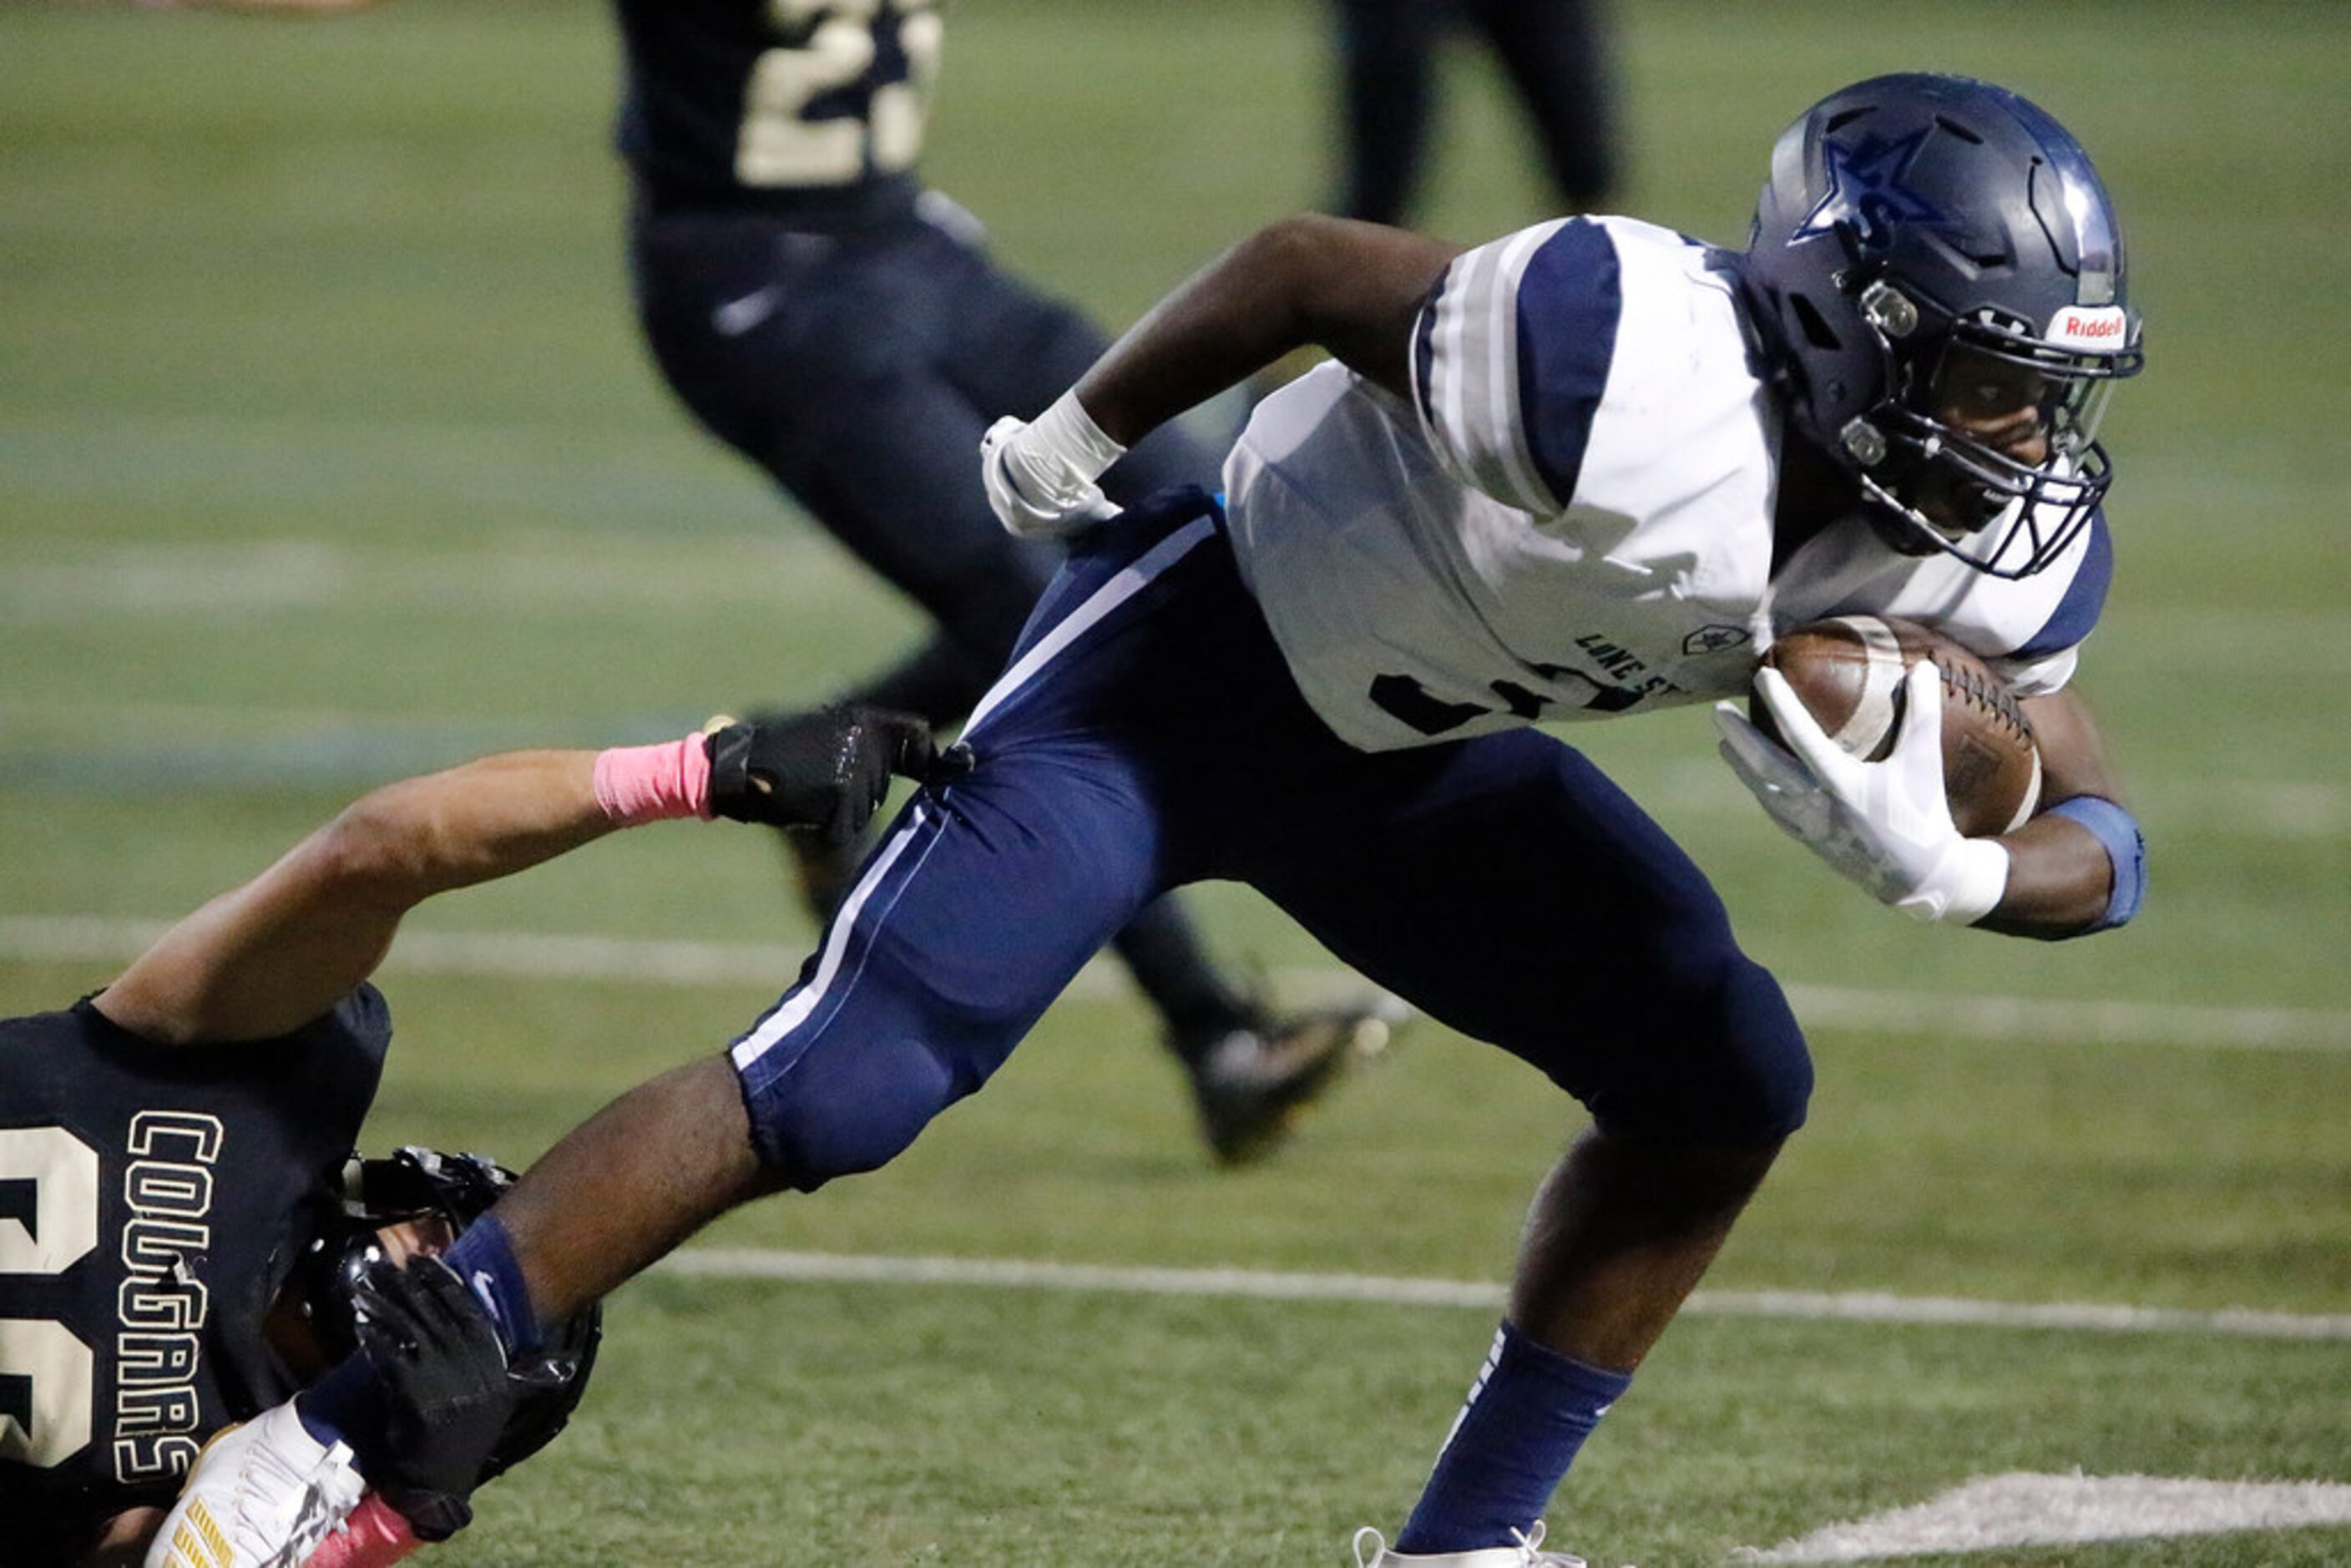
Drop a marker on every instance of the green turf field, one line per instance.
(327, 453)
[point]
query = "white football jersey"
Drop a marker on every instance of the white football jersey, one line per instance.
(1576, 519)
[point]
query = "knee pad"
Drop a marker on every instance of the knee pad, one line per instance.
(849, 1069)
(1765, 1083)
(1721, 1061)
(841, 1108)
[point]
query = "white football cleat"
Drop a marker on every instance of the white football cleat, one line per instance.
(261, 1495)
(1524, 1554)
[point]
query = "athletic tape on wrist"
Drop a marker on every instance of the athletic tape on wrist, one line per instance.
(1068, 432)
(654, 783)
(2118, 831)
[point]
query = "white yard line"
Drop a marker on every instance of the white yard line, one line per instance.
(1999, 1513)
(1008, 1273)
(559, 476)
(2077, 1022)
(46, 739)
(529, 575)
(46, 742)
(628, 960)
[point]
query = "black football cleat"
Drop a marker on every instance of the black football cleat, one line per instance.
(1252, 1083)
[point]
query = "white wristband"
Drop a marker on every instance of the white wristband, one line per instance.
(1040, 478)
(1066, 432)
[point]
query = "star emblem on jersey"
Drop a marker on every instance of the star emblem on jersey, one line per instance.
(1866, 192)
(1713, 639)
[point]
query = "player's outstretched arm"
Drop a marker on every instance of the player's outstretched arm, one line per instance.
(1352, 288)
(267, 957)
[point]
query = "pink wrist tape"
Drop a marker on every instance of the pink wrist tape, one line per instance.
(651, 783)
(375, 1537)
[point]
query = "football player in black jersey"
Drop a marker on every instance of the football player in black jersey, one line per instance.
(177, 1230)
(1554, 53)
(842, 327)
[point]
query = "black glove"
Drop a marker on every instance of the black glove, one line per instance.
(827, 770)
(436, 1356)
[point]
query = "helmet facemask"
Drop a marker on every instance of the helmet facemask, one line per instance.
(1985, 446)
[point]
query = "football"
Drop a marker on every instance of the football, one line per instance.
(1847, 671)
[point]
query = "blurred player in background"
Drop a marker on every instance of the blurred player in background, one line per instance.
(1587, 470)
(826, 316)
(1553, 52)
(184, 1236)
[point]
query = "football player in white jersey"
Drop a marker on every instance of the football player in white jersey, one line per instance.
(1588, 470)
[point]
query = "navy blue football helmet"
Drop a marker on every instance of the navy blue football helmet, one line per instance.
(1921, 237)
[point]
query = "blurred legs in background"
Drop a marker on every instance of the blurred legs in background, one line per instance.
(1554, 52)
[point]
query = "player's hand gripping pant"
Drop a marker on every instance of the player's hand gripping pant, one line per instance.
(1146, 735)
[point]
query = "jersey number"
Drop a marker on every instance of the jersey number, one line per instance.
(780, 145)
(1404, 699)
(47, 1376)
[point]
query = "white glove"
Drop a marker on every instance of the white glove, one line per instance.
(1886, 825)
(1040, 477)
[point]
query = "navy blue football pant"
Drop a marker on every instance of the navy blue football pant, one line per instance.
(1146, 735)
(859, 369)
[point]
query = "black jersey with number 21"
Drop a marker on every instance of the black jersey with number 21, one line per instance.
(812, 106)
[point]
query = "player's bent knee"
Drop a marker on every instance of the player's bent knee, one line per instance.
(852, 1095)
(842, 1111)
(1724, 1063)
(1766, 1084)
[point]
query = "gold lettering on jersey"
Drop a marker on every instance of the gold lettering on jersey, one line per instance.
(162, 1305)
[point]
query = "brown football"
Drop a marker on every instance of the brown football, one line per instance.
(1848, 673)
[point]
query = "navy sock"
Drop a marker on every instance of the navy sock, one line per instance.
(344, 1406)
(1526, 1416)
(483, 1258)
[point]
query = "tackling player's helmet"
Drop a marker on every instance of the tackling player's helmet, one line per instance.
(417, 1182)
(1915, 225)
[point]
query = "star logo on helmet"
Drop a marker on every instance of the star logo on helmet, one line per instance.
(1867, 194)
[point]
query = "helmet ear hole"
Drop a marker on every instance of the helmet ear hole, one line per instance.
(1816, 327)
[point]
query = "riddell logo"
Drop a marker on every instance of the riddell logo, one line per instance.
(2089, 329)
